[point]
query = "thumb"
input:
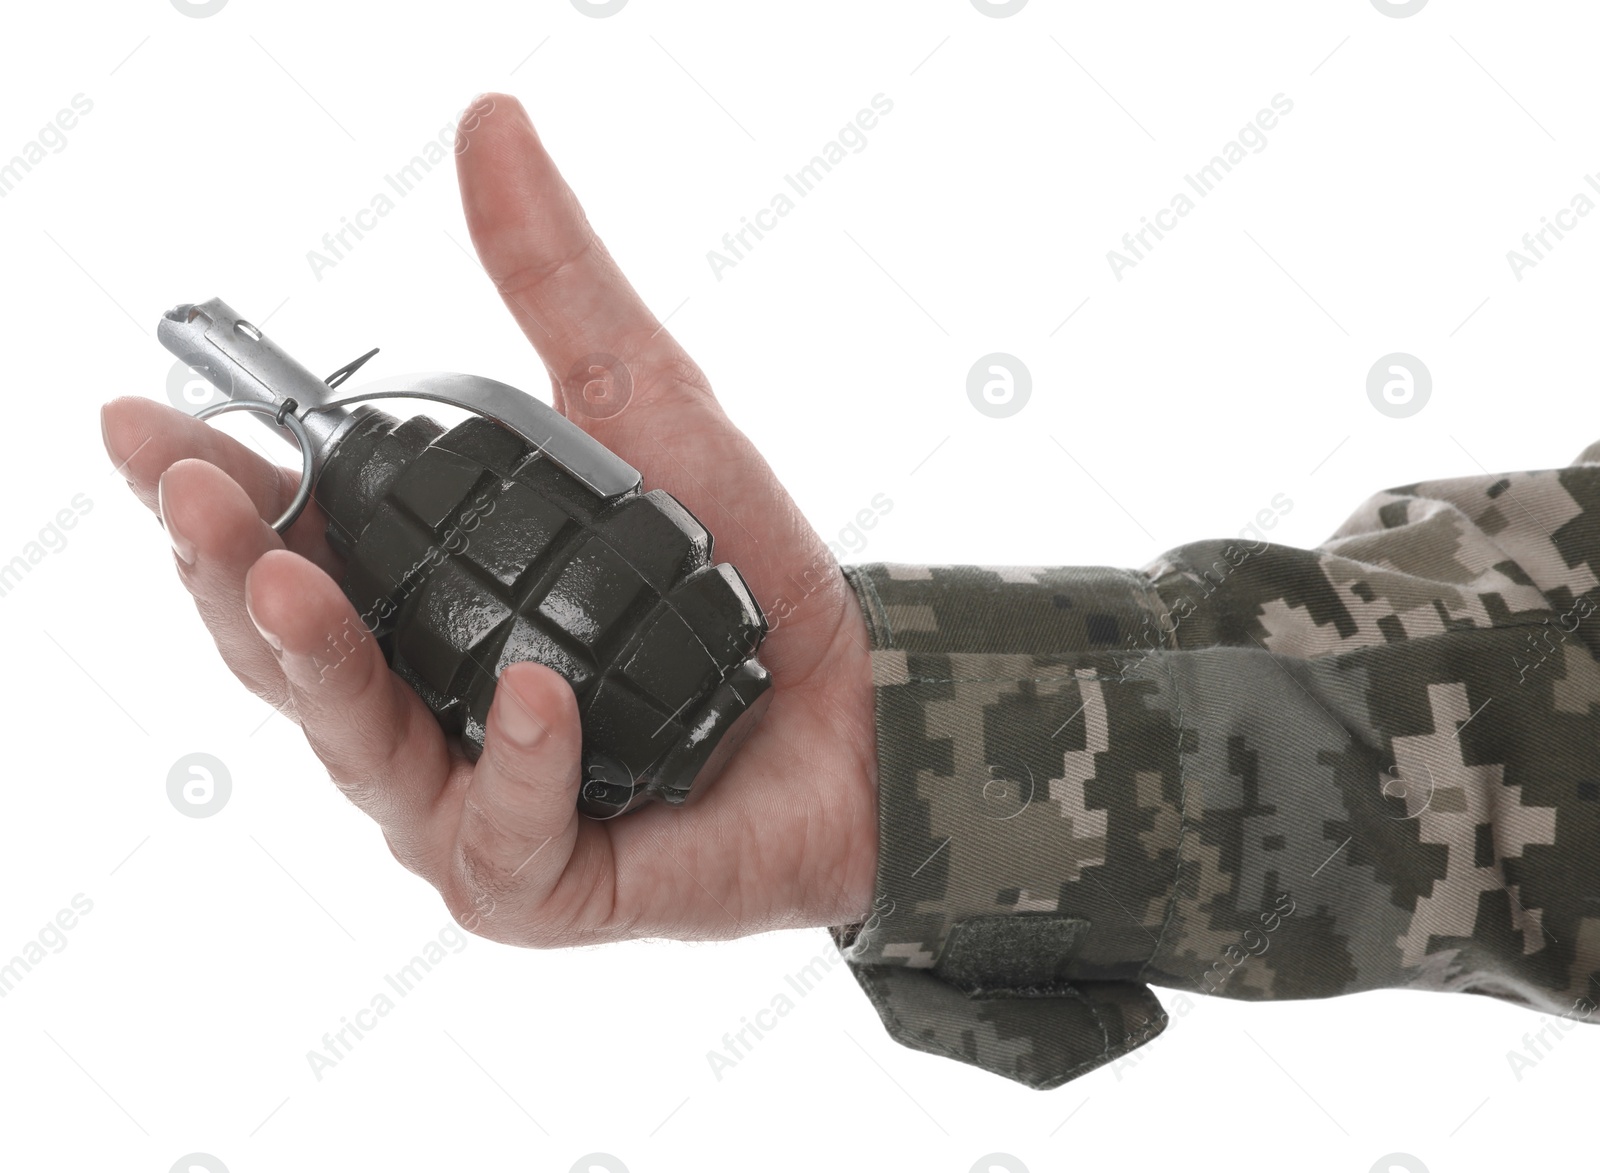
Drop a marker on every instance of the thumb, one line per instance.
(519, 819)
(603, 347)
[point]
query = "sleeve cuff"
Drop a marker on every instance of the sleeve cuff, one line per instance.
(994, 689)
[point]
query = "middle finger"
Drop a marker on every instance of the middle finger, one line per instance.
(216, 536)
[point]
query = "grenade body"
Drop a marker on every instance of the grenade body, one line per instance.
(467, 550)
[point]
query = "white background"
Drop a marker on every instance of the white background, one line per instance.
(1227, 367)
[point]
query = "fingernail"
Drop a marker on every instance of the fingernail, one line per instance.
(271, 639)
(181, 546)
(121, 466)
(517, 721)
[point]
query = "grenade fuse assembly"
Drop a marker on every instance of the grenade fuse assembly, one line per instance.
(512, 536)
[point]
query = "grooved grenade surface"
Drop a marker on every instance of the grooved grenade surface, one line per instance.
(467, 551)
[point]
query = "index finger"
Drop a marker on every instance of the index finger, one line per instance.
(145, 438)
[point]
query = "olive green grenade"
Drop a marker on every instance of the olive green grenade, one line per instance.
(512, 536)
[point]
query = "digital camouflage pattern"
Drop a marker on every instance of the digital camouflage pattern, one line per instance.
(1246, 769)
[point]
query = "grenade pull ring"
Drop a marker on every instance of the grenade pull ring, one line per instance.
(283, 415)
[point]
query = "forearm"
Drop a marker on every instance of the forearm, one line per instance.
(1249, 769)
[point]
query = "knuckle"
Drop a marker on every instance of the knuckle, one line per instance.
(483, 877)
(482, 913)
(241, 663)
(473, 911)
(406, 854)
(533, 275)
(674, 380)
(363, 793)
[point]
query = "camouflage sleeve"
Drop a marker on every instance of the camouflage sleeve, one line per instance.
(1245, 769)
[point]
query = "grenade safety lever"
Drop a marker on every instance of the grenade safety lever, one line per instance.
(514, 535)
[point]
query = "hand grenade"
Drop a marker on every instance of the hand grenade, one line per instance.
(512, 536)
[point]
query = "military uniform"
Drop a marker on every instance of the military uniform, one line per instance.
(1245, 769)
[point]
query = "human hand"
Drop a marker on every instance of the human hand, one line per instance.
(787, 836)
